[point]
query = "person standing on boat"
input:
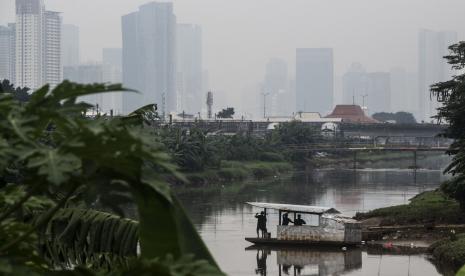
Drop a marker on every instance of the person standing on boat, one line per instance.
(261, 223)
(299, 221)
(286, 219)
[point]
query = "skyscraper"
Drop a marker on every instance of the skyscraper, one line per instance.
(189, 68)
(314, 80)
(52, 67)
(404, 91)
(70, 45)
(149, 56)
(432, 67)
(38, 45)
(7, 52)
(379, 92)
(355, 85)
(279, 101)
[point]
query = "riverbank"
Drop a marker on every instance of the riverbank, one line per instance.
(374, 159)
(239, 171)
(430, 217)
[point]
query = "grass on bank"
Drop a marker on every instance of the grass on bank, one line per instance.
(239, 170)
(427, 207)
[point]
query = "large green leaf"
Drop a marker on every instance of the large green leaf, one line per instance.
(175, 234)
(56, 166)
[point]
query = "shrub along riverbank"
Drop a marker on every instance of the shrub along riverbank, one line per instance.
(429, 208)
(207, 158)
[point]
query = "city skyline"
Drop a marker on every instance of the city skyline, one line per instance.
(230, 28)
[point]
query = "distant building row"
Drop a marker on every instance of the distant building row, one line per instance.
(159, 58)
(392, 91)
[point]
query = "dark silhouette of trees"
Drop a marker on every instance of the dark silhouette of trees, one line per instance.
(19, 94)
(226, 113)
(400, 117)
(452, 95)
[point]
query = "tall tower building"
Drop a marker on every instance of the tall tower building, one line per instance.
(52, 67)
(38, 45)
(29, 43)
(149, 59)
(379, 92)
(432, 67)
(189, 68)
(279, 101)
(70, 45)
(7, 52)
(355, 85)
(314, 80)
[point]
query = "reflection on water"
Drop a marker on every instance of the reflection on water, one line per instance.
(326, 261)
(223, 219)
(318, 261)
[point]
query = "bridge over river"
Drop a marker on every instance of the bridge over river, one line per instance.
(344, 129)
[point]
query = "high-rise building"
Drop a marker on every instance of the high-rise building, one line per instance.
(38, 45)
(7, 52)
(432, 67)
(86, 74)
(189, 68)
(378, 92)
(149, 59)
(404, 91)
(112, 73)
(70, 45)
(355, 85)
(279, 101)
(314, 80)
(52, 67)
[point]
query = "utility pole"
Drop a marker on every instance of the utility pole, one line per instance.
(264, 103)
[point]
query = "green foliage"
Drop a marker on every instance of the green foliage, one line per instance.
(19, 94)
(58, 156)
(226, 113)
(450, 252)
(452, 95)
(400, 117)
(294, 132)
(425, 207)
(76, 236)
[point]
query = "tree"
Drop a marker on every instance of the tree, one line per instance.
(226, 113)
(20, 94)
(400, 117)
(452, 95)
(64, 165)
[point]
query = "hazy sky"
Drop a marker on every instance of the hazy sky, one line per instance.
(241, 35)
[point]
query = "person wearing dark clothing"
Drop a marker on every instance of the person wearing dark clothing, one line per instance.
(299, 221)
(261, 223)
(286, 219)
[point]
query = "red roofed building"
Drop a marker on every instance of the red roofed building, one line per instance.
(350, 113)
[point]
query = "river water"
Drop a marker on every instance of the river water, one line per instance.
(223, 220)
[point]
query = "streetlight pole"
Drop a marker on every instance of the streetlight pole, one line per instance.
(264, 103)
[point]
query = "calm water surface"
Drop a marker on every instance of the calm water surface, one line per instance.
(224, 220)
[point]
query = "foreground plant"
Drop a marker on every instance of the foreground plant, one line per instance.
(53, 157)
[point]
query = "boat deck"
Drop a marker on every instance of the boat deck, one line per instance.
(275, 242)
